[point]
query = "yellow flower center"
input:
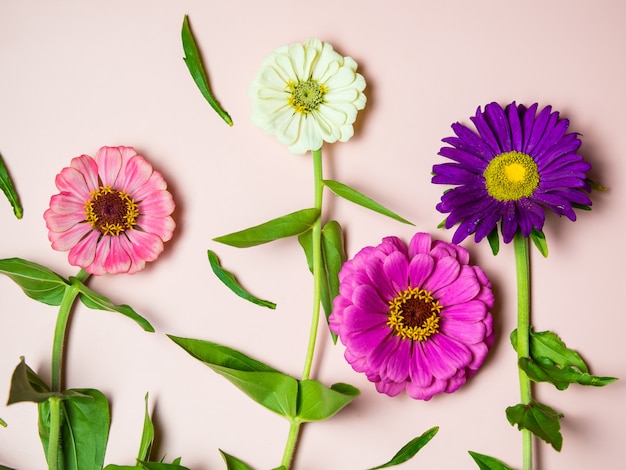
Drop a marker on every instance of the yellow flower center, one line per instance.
(414, 314)
(306, 96)
(110, 211)
(511, 176)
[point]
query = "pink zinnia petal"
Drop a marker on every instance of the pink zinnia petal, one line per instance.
(64, 241)
(162, 227)
(72, 181)
(157, 204)
(109, 160)
(84, 251)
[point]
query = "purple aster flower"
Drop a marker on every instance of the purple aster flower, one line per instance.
(519, 164)
(415, 318)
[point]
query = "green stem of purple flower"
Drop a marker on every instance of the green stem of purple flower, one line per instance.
(522, 265)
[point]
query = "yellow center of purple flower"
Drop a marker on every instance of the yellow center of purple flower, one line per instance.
(511, 176)
(306, 96)
(414, 314)
(110, 211)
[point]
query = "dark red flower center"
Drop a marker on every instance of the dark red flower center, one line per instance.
(110, 211)
(414, 314)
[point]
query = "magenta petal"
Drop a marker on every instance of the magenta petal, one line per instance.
(363, 342)
(465, 288)
(419, 368)
(420, 268)
(463, 332)
(396, 366)
(445, 272)
(427, 392)
(396, 269)
(367, 299)
(389, 388)
(355, 319)
(420, 243)
(467, 312)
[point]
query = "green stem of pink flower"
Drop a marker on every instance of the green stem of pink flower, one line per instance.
(316, 230)
(58, 346)
(522, 265)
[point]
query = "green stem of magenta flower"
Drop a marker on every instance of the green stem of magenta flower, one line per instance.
(522, 265)
(316, 231)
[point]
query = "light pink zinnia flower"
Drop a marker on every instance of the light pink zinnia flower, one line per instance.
(414, 318)
(113, 212)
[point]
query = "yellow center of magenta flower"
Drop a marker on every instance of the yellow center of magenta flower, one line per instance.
(306, 96)
(511, 176)
(110, 211)
(414, 314)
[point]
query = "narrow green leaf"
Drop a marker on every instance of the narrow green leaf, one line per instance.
(410, 449)
(596, 186)
(317, 402)
(539, 239)
(96, 301)
(37, 282)
(494, 241)
(3, 423)
(85, 425)
(2, 467)
(147, 434)
(233, 463)
(194, 64)
(231, 282)
(539, 419)
(543, 369)
(286, 226)
(9, 190)
(488, 463)
(162, 466)
(267, 386)
(356, 197)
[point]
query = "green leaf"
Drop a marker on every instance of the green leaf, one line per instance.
(267, 386)
(317, 402)
(26, 385)
(233, 463)
(543, 369)
(488, 463)
(37, 282)
(548, 344)
(3, 423)
(333, 257)
(85, 425)
(231, 282)
(9, 190)
(356, 197)
(494, 241)
(2, 467)
(539, 239)
(410, 449)
(194, 64)
(147, 434)
(96, 301)
(286, 226)
(539, 419)
(162, 466)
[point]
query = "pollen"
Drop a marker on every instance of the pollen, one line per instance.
(306, 96)
(110, 211)
(414, 314)
(511, 176)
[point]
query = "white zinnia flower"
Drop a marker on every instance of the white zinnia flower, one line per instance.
(306, 94)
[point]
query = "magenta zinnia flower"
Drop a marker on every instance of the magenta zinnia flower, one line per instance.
(113, 212)
(518, 164)
(415, 318)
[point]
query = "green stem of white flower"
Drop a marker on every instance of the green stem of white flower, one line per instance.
(522, 265)
(56, 372)
(316, 230)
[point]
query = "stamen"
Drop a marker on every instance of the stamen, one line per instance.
(414, 314)
(306, 96)
(511, 176)
(110, 211)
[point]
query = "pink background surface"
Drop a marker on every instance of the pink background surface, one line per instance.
(77, 75)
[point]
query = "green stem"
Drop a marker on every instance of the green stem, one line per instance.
(56, 372)
(522, 265)
(316, 231)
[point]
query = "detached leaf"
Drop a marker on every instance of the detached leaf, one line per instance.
(85, 422)
(317, 402)
(37, 282)
(539, 239)
(539, 419)
(286, 226)
(410, 449)
(267, 386)
(194, 64)
(356, 197)
(9, 190)
(233, 463)
(488, 463)
(96, 301)
(231, 282)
